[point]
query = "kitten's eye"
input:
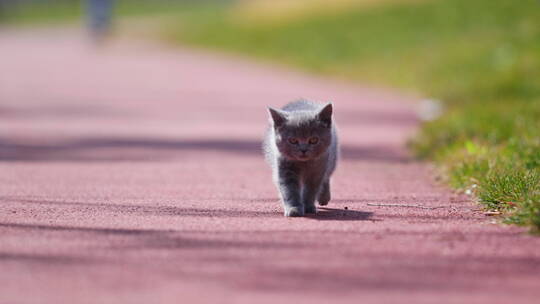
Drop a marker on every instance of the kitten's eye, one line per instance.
(293, 140)
(313, 140)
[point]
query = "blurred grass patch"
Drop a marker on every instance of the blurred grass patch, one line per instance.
(276, 11)
(40, 12)
(28, 12)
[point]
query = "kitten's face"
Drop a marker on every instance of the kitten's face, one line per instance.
(305, 141)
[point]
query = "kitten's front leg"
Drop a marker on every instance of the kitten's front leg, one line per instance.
(289, 187)
(310, 191)
(324, 195)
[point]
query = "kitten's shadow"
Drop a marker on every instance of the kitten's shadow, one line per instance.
(333, 214)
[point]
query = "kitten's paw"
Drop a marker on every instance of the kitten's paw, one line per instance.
(294, 211)
(324, 196)
(311, 209)
(324, 199)
(323, 202)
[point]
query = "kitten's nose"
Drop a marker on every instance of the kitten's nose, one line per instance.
(303, 150)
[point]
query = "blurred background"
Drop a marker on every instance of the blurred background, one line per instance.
(475, 62)
(130, 150)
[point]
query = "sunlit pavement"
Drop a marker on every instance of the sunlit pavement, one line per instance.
(131, 173)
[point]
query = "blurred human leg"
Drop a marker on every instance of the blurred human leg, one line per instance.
(99, 14)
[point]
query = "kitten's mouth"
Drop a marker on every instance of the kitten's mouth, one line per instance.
(303, 157)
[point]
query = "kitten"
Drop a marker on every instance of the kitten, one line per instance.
(301, 146)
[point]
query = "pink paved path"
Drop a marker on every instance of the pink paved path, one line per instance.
(132, 174)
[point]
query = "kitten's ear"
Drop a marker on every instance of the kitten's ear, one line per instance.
(325, 115)
(278, 117)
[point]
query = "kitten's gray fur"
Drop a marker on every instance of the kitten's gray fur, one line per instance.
(301, 170)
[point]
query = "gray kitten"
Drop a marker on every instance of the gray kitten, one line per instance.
(301, 146)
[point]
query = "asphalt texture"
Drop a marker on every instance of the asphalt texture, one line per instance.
(133, 173)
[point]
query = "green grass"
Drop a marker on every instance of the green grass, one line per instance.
(32, 12)
(40, 12)
(481, 58)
